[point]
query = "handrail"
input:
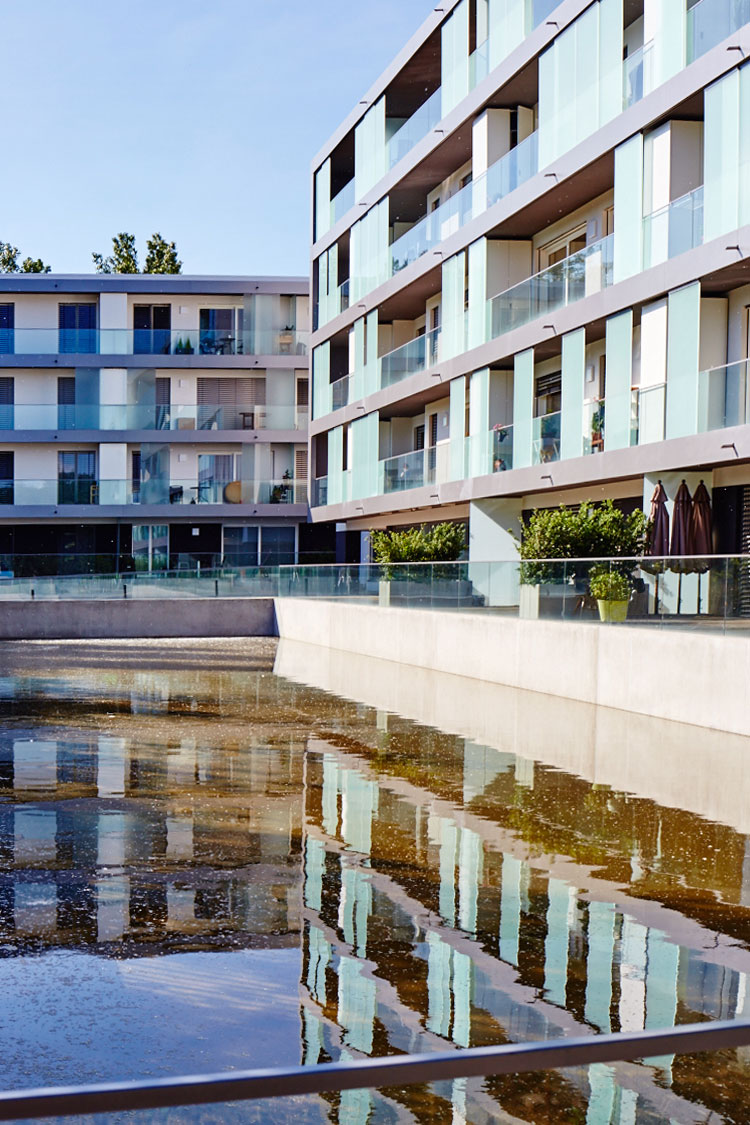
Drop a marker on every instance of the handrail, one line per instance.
(401, 1070)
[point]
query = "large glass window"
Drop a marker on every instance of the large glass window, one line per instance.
(66, 402)
(277, 546)
(220, 331)
(77, 329)
(7, 321)
(6, 477)
(152, 329)
(7, 395)
(150, 546)
(76, 478)
(241, 546)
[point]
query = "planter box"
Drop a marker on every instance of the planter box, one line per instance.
(612, 611)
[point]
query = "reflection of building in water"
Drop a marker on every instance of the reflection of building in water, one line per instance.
(113, 844)
(438, 911)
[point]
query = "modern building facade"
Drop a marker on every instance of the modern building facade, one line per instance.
(152, 422)
(531, 272)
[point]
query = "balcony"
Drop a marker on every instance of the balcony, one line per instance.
(100, 416)
(578, 276)
(638, 75)
(673, 229)
(501, 448)
(723, 396)
(340, 393)
(711, 21)
(415, 128)
(407, 470)
(62, 492)
(140, 341)
(319, 492)
(342, 202)
(414, 356)
(647, 414)
(506, 174)
(545, 439)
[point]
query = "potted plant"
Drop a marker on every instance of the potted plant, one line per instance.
(611, 588)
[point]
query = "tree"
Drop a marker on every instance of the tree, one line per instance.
(9, 261)
(161, 256)
(592, 531)
(123, 258)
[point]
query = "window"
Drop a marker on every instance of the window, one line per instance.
(6, 477)
(6, 329)
(152, 329)
(135, 476)
(7, 393)
(548, 394)
(163, 390)
(220, 331)
(231, 404)
(277, 546)
(76, 478)
(77, 329)
(241, 546)
(419, 437)
(66, 399)
(562, 247)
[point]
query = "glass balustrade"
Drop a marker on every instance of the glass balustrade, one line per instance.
(711, 21)
(64, 491)
(673, 229)
(407, 470)
(479, 64)
(506, 174)
(593, 426)
(342, 202)
(647, 414)
(545, 438)
(125, 341)
(722, 396)
(578, 276)
(340, 393)
(501, 448)
(414, 356)
(415, 128)
(638, 75)
(175, 416)
(319, 492)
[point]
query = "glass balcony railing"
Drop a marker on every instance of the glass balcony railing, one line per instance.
(673, 229)
(501, 448)
(319, 492)
(407, 470)
(711, 21)
(506, 174)
(342, 202)
(340, 393)
(545, 439)
(479, 64)
(138, 341)
(89, 491)
(638, 75)
(414, 356)
(578, 276)
(723, 396)
(647, 414)
(81, 416)
(593, 426)
(415, 128)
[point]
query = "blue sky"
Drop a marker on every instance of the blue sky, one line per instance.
(196, 118)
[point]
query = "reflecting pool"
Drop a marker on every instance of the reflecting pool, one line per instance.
(222, 855)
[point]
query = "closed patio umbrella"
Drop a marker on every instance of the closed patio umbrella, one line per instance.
(658, 545)
(680, 542)
(701, 532)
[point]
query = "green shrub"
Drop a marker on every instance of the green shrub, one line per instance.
(595, 530)
(609, 586)
(443, 542)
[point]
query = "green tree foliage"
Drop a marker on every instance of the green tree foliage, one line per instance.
(123, 259)
(161, 256)
(589, 532)
(444, 542)
(9, 261)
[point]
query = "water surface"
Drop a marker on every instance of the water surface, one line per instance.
(206, 865)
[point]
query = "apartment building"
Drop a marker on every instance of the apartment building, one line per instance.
(530, 269)
(152, 422)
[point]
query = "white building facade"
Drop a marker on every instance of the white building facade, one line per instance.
(152, 422)
(531, 272)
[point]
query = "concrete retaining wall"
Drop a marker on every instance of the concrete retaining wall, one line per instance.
(691, 677)
(97, 618)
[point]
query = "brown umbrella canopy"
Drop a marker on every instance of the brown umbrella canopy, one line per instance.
(680, 542)
(659, 542)
(700, 534)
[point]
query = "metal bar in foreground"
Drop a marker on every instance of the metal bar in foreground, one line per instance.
(401, 1070)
